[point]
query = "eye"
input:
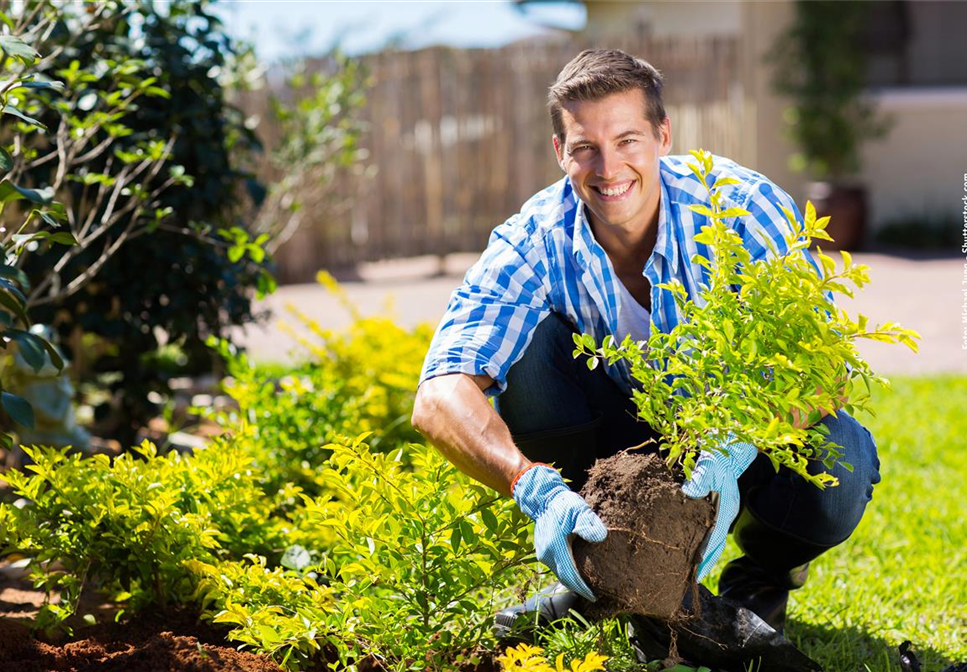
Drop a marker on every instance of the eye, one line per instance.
(628, 141)
(580, 148)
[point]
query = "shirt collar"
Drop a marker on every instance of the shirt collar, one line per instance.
(583, 238)
(666, 245)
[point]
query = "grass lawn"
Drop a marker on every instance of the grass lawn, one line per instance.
(903, 573)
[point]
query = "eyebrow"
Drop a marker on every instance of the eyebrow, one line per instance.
(581, 141)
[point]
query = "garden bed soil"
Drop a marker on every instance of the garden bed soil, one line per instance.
(172, 641)
(153, 642)
(649, 559)
(162, 643)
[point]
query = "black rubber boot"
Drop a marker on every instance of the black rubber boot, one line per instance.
(773, 563)
(521, 622)
(720, 634)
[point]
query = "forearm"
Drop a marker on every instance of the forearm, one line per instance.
(453, 413)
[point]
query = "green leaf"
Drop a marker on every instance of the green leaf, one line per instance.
(11, 192)
(6, 161)
(15, 274)
(31, 347)
(256, 253)
(14, 47)
(32, 354)
(45, 84)
(702, 210)
(44, 215)
(55, 357)
(14, 305)
(732, 212)
(63, 237)
(489, 520)
(236, 252)
(467, 532)
(18, 409)
(455, 538)
(10, 109)
(158, 91)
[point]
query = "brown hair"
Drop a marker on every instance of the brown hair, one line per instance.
(596, 73)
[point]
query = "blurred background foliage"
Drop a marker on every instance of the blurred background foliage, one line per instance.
(156, 170)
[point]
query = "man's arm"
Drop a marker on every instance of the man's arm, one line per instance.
(453, 413)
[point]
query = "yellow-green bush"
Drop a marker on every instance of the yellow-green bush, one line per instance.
(311, 527)
(416, 560)
(128, 526)
(361, 380)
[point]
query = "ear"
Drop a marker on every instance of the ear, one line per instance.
(559, 151)
(665, 137)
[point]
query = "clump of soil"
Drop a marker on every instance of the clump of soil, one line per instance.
(649, 559)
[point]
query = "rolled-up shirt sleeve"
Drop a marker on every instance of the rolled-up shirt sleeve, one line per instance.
(491, 317)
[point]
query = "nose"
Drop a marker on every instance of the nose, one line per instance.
(607, 165)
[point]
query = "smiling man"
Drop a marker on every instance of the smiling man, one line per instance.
(586, 255)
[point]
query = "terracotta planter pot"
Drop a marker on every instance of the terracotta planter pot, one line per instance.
(845, 205)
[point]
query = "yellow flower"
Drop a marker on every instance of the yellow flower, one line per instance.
(593, 661)
(524, 658)
(527, 658)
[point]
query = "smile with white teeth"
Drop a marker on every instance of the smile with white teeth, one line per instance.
(616, 191)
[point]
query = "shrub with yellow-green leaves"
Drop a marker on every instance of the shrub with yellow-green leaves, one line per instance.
(362, 379)
(416, 559)
(309, 544)
(126, 527)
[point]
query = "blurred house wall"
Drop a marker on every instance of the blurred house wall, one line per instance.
(920, 82)
(917, 170)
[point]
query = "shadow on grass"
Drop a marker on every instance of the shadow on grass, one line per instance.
(841, 649)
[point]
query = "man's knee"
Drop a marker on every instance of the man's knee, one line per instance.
(839, 509)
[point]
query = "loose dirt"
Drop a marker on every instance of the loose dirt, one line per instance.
(649, 559)
(159, 644)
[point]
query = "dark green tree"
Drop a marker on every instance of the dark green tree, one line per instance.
(821, 64)
(165, 175)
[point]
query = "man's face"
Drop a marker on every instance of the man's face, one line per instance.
(611, 154)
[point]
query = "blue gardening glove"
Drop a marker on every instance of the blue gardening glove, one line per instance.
(557, 512)
(719, 472)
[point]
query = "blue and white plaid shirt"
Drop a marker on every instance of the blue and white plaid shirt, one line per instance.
(546, 259)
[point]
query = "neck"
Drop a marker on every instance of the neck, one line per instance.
(628, 248)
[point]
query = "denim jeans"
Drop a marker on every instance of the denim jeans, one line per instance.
(551, 398)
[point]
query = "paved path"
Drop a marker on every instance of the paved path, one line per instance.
(923, 294)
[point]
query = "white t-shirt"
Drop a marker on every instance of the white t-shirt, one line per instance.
(632, 317)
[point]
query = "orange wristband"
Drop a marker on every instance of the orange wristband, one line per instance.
(524, 470)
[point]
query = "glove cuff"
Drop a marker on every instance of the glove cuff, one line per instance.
(533, 486)
(523, 471)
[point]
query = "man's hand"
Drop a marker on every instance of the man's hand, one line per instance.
(719, 472)
(557, 512)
